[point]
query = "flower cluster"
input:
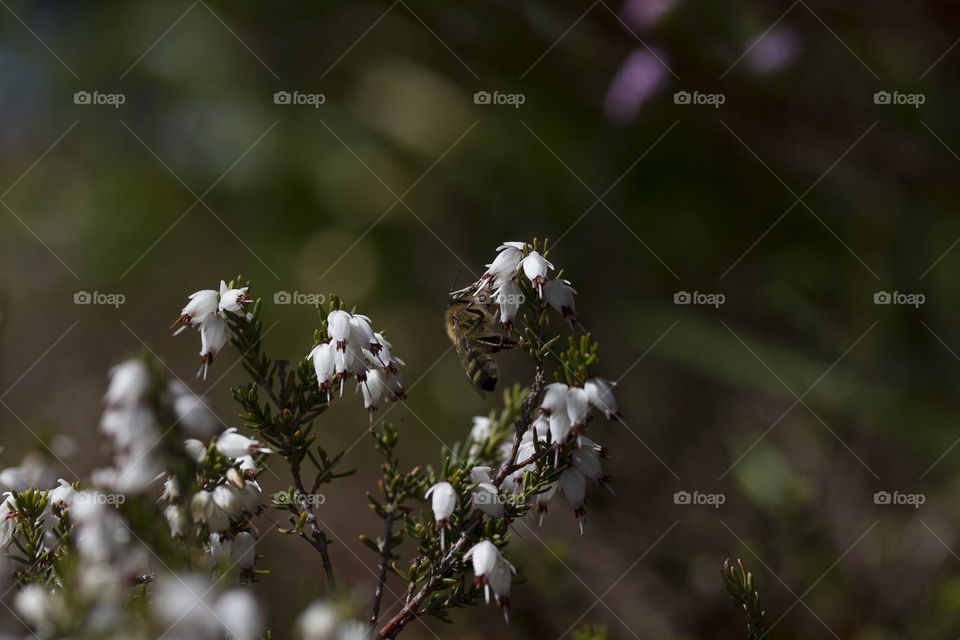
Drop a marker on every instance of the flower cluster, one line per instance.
(47, 518)
(207, 311)
(502, 283)
(130, 426)
(227, 496)
(529, 475)
(528, 481)
(81, 553)
(104, 559)
(84, 555)
(355, 350)
(108, 559)
(564, 412)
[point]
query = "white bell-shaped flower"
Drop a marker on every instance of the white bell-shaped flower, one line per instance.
(183, 604)
(338, 328)
(443, 502)
(587, 462)
(585, 442)
(505, 265)
(177, 520)
(559, 294)
(324, 364)
(250, 496)
(130, 428)
(129, 382)
(202, 304)
(349, 362)
(213, 335)
(481, 474)
(239, 613)
(535, 267)
(500, 578)
(574, 487)
(481, 429)
(559, 429)
(40, 608)
(221, 550)
(205, 511)
(484, 556)
(171, 490)
(387, 360)
(101, 532)
(488, 565)
(538, 429)
(373, 389)
(525, 451)
(248, 465)
(600, 394)
(362, 335)
(195, 449)
(319, 621)
(227, 497)
(63, 494)
(508, 298)
(554, 398)
(543, 500)
(394, 383)
(195, 416)
(578, 406)
(234, 445)
(487, 499)
(8, 525)
(233, 300)
(244, 548)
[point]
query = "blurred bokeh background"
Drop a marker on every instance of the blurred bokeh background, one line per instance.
(798, 198)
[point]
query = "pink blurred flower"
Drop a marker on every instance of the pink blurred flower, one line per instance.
(640, 77)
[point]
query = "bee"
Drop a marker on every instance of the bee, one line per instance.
(477, 335)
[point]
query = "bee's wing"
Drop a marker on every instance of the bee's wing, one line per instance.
(460, 341)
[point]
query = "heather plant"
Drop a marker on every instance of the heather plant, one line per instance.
(163, 541)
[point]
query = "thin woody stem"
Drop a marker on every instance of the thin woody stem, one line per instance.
(410, 609)
(384, 559)
(317, 539)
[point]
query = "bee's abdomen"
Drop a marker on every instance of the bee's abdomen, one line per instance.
(482, 373)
